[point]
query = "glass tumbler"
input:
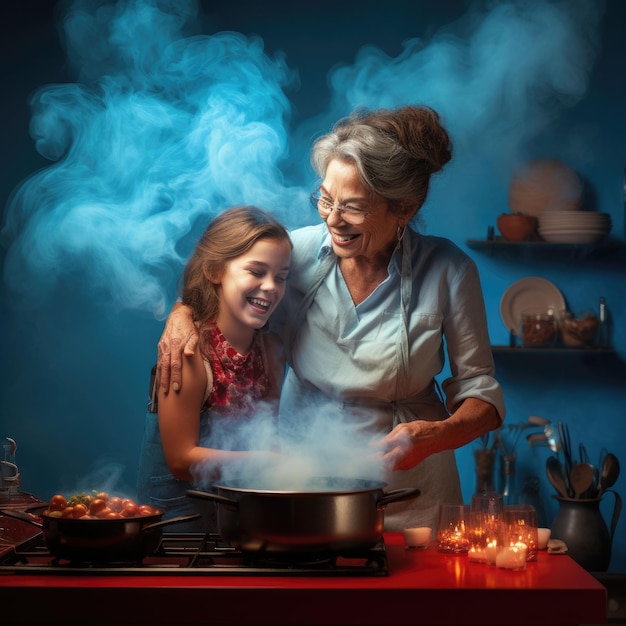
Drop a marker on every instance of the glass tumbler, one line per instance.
(520, 528)
(451, 528)
(485, 527)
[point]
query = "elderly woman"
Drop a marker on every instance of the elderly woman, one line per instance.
(370, 302)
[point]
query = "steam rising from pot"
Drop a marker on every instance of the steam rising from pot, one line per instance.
(325, 445)
(166, 125)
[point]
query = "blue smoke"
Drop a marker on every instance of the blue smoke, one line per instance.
(165, 126)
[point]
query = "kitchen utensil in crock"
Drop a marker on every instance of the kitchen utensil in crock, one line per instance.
(546, 439)
(581, 478)
(537, 439)
(329, 515)
(608, 472)
(554, 443)
(566, 446)
(582, 453)
(579, 523)
(99, 540)
(554, 470)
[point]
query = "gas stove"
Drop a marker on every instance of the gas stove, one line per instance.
(202, 554)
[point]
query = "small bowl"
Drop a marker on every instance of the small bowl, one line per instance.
(578, 331)
(544, 536)
(515, 227)
(418, 537)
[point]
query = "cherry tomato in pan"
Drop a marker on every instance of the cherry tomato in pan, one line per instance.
(80, 510)
(100, 506)
(57, 503)
(115, 504)
(145, 510)
(97, 506)
(129, 509)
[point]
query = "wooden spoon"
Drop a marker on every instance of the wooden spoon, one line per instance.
(555, 476)
(609, 472)
(581, 478)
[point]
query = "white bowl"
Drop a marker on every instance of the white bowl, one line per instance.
(544, 537)
(571, 237)
(418, 537)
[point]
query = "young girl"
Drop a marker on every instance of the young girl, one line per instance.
(233, 282)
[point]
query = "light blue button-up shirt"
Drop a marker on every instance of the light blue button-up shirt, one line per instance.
(370, 366)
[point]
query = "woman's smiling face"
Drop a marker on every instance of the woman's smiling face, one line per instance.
(376, 236)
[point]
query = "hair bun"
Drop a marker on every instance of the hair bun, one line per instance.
(420, 132)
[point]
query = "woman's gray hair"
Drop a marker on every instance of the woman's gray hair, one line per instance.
(395, 152)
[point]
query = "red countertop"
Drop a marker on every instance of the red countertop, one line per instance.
(423, 587)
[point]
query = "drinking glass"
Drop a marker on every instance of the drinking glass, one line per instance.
(451, 531)
(484, 530)
(520, 527)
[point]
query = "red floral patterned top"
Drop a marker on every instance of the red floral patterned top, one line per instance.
(239, 380)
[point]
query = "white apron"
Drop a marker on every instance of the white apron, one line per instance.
(358, 366)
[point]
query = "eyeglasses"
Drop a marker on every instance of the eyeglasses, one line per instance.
(348, 213)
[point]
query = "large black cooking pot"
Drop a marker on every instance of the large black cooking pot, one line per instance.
(331, 515)
(99, 540)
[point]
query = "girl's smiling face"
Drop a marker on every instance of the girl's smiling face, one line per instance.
(376, 236)
(251, 286)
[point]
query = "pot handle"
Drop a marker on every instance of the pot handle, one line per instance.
(171, 520)
(207, 495)
(22, 516)
(398, 494)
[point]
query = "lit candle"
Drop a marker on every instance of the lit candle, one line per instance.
(477, 555)
(491, 552)
(453, 539)
(512, 557)
(451, 530)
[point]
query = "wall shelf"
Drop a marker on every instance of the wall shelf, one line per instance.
(606, 363)
(547, 351)
(542, 249)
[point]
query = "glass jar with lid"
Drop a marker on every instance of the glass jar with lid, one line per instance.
(538, 329)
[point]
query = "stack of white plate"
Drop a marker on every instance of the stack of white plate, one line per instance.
(574, 226)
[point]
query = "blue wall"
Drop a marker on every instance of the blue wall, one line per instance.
(74, 375)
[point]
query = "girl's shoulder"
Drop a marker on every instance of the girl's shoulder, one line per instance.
(271, 341)
(274, 360)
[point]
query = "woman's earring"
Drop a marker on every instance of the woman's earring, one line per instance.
(400, 231)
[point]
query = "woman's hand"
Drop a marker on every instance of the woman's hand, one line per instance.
(410, 443)
(179, 337)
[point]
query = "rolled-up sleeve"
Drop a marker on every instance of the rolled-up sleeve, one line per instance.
(467, 341)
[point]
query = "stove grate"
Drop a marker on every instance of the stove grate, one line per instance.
(202, 554)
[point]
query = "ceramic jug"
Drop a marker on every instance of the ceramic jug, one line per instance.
(579, 523)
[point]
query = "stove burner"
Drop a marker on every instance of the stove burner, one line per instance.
(197, 553)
